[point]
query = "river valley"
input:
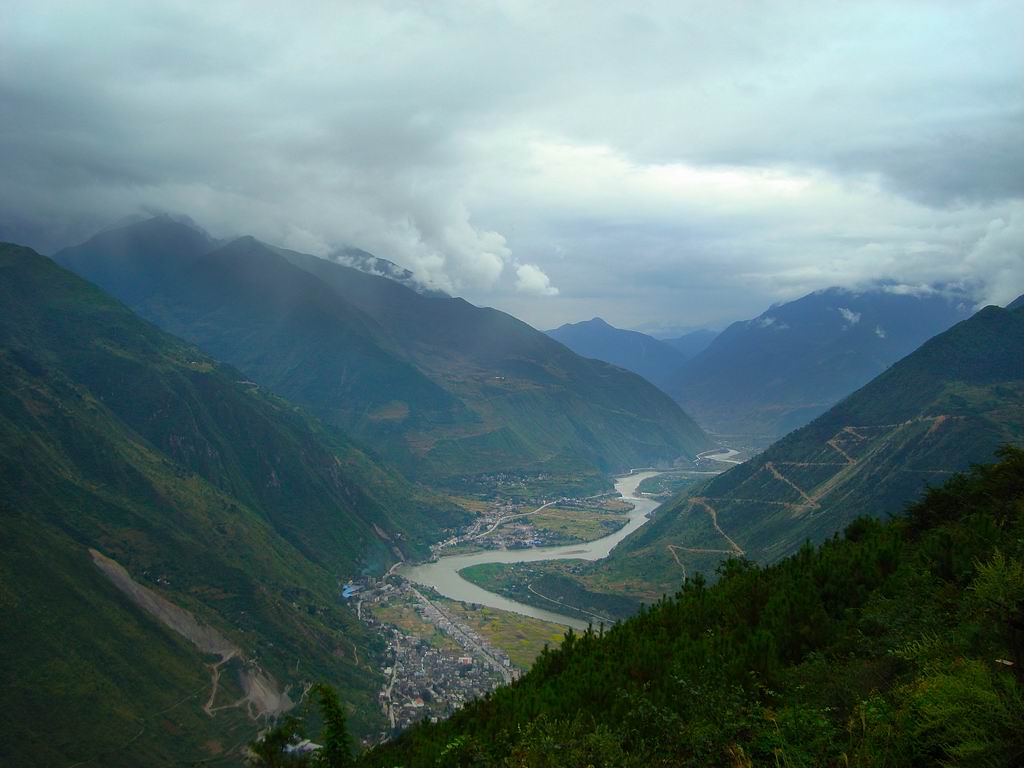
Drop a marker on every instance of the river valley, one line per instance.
(444, 574)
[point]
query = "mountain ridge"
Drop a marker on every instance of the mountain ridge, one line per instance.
(948, 404)
(655, 360)
(774, 373)
(444, 389)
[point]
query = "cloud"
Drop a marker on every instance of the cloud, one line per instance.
(919, 290)
(530, 279)
(880, 332)
(999, 255)
(851, 317)
(665, 162)
(772, 322)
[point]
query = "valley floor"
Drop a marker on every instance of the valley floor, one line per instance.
(441, 653)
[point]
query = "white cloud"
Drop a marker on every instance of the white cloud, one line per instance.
(922, 289)
(880, 332)
(531, 279)
(998, 255)
(851, 317)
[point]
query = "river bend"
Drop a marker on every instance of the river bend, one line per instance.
(444, 575)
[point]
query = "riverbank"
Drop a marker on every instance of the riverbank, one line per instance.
(444, 575)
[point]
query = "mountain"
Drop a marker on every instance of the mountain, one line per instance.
(134, 261)
(898, 645)
(767, 376)
(693, 343)
(947, 405)
(440, 387)
(160, 512)
(1016, 303)
(532, 402)
(654, 360)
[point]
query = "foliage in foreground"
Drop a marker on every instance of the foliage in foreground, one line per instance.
(271, 751)
(901, 644)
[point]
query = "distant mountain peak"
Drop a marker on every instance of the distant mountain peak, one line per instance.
(775, 372)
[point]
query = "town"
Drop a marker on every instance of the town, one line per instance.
(435, 663)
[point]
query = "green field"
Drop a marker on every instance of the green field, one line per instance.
(521, 637)
(578, 525)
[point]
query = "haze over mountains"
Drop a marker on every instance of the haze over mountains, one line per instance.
(761, 378)
(440, 387)
(691, 343)
(767, 376)
(657, 361)
(196, 513)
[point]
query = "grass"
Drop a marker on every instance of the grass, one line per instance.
(405, 616)
(522, 637)
(578, 524)
(476, 506)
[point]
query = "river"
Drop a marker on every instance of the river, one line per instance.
(444, 576)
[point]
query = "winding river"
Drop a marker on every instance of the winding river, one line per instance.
(444, 576)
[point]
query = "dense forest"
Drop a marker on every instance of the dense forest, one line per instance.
(900, 643)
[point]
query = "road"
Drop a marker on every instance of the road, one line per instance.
(464, 638)
(389, 704)
(566, 605)
(503, 520)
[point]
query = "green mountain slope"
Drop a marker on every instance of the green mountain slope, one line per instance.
(535, 400)
(950, 403)
(216, 498)
(441, 387)
(245, 304)
(900, 645)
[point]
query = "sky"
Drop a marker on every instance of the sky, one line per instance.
(663, 165)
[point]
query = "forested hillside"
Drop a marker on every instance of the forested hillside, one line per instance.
(440, 387)
(160, 512)
(900, 643)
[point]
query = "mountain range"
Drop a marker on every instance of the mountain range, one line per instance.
(764, 377)
(176, 533)
(438, 386)
(655, 360)
(949, 404)
(174, 536)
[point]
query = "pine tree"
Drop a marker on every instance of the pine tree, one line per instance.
(336, 751)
